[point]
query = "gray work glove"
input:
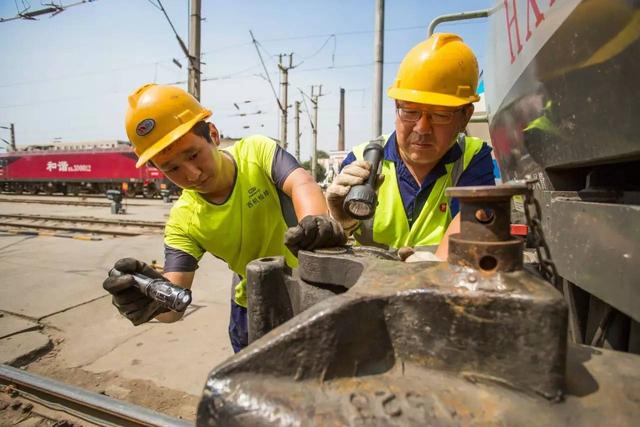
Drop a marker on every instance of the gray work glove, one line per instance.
(129, 301)
(355, 173)
(313, 232)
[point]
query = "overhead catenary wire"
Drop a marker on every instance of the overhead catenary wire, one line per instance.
(84, 74)
(306, 109)
(183, 46)
(316, 36)
(333, 54)
(162, 9)
(53, 9)
(231, 46)
(233, 75)
(154, 5)
(24, 5)
(256, 43)
(228, 76)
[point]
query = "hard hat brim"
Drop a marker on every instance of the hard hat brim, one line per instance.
(430, 98)
(170, 138)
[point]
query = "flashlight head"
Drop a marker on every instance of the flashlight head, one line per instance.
(361, 202)
(182, 300)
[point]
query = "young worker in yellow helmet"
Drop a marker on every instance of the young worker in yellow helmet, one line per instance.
(433, 91)
(231, 204)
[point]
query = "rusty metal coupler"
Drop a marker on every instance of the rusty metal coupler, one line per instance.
(355, 337)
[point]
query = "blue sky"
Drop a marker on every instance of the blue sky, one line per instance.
(67, 77)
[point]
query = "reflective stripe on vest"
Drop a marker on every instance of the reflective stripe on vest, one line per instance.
(390, 226)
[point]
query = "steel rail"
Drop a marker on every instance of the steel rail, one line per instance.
(58, 202)
(84, 404)
(60, 195)
(96, 203)
(121, 222)
(70, 229)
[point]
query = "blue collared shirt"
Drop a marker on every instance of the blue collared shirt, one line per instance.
(414, 196)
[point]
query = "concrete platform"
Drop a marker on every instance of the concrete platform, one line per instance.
(12, 325)
(45, 275)
(177, 355)
(57, 283)
(21, 349)
(136, 209)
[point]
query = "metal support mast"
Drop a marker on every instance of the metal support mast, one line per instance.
(314, 146)
(341, 122)
(13, 137)
(284, 107)
(378, 51)
(194, 49)
(297, 131)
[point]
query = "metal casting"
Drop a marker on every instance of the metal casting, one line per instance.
(360, 338)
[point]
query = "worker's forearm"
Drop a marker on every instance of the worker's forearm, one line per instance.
(308, 200)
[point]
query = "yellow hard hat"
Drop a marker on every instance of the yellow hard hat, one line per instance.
(157, 116)
(441, 70)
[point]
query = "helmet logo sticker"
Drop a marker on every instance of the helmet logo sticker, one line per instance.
(145, 126)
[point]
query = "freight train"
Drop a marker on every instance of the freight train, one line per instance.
(81, 168)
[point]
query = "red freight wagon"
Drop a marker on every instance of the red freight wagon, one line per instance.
(78, 168)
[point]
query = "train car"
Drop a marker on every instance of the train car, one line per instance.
(83, 168)
(563, 108)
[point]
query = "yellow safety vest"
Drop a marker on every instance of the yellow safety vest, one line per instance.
(249, 225)
(390, 226)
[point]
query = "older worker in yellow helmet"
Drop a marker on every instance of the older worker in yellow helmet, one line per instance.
(429, 151)
(232, 203)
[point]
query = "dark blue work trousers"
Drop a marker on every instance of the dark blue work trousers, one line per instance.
(238, 331)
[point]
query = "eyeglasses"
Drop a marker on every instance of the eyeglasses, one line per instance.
(435, 117)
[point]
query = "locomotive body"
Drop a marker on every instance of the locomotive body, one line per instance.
(79, 169)
(561, 97)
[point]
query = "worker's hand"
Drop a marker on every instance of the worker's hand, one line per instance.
(355, 173)
(313, 232)
(129, 301)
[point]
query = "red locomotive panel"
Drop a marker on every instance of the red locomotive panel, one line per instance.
(78, 166)
(79, 170)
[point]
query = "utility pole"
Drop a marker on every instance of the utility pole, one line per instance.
(341, 122)
(378, 52)
(13, 137)
(314, 147)
(12, 142)
(298, 131)
(284, 107)
(194, 49)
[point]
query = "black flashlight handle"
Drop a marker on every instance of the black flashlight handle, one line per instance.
(164, 292)
(373, 154)
(364, 195)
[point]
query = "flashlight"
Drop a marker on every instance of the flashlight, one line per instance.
(362, 199)
(166, 293)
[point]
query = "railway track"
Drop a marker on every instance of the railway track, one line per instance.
(64, 202)
(36, 400)
(114, 227)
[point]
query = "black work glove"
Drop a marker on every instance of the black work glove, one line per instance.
(129, 301)
(313, 232)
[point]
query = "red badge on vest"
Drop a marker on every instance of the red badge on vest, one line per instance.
(443, 207)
